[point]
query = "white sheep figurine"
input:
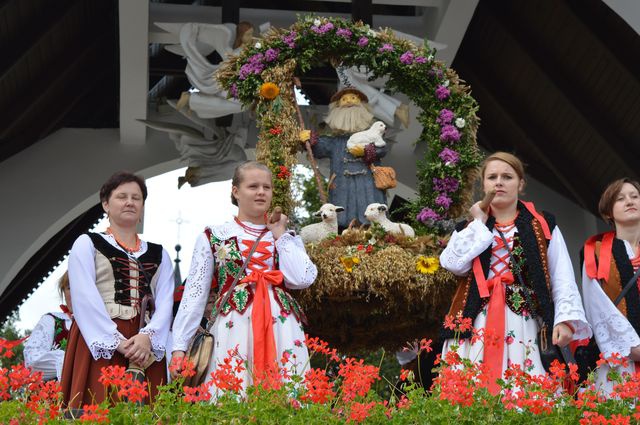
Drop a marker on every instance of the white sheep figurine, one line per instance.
(318, 231)
(377, 213)
(372, 135)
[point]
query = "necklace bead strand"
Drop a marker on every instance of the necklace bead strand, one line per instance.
(136, 248)
(251, 230)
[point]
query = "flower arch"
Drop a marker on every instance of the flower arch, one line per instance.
(263, 75)
(388, 289)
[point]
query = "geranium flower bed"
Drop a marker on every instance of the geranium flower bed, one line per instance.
(339, 392)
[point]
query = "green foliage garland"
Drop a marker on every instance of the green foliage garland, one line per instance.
(447, 110)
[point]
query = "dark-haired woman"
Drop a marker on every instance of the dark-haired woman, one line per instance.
(110, 274)
(491, 293)
(610, 261)
(261, 322)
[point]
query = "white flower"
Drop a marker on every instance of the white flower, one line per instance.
(316, 22)
(258, 45)
(430, 58)
(223, 252)
(460, 122)
(445, 83)
(372, 33)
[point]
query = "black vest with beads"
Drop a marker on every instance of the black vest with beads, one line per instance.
(127, 280)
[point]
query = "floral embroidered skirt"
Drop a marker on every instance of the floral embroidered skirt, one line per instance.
(235, 330)
(519, 343)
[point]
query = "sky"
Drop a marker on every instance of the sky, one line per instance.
(165, 207)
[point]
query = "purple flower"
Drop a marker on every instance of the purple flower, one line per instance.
(344, 33)
(421, 59)
(252, 67)
(234, 90)
(256, 59)
(443, 201)
(442, 92)
(322, 29)
(290, 39)
(427, 214)
(407, 58)
(386, 47)
(449, 156)
(445, 117)
(447, 184)
(449, 133)
(363, 41)
(271, 54)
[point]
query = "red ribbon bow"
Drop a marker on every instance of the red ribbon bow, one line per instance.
(264, 343)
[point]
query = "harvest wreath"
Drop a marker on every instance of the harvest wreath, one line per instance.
(394, 279)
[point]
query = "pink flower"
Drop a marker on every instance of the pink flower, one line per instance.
(363, 41)
(509, 340)
(449, 133)
(386, 47)
(407, 57)
(442, 93)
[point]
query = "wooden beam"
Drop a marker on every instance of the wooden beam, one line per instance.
(231, 11)
(134, 69)
(362, 10)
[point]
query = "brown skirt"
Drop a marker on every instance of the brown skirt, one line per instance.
(80, 371)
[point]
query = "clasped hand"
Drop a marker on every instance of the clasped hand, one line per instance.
(279, 227)
(137, 349)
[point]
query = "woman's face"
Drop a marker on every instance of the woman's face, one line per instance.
(626, 208)
(502, 178)
(254, 192)
(125, 204)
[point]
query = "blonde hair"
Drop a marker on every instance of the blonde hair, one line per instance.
(507, 157)
(63, 284)
(608, 198)
(238, 175)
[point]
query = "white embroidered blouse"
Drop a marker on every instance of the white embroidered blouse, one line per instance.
(612, 331)
(471, 241)
(39, 352)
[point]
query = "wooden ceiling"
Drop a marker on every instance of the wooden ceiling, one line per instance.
(557, 83)
(58, 68)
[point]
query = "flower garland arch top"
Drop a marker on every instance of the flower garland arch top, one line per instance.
(263, 75)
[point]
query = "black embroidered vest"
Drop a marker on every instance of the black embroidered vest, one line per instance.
(535, 272)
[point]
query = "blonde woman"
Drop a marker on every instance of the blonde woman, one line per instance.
(511, 301)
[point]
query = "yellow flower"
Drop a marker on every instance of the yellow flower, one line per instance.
(269, 91)
(349, 263)
(427, 265)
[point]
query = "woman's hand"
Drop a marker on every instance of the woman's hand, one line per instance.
(139, 349)
(562, 335)
(635, 354)
(176, 363)
(279, 227)
(478, 213)
(123, 346)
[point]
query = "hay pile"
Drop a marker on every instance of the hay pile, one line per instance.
(384, 301)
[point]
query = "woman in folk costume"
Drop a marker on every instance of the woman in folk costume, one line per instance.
(491, 293)
(610, 262)
(261, 318)
(45, 347)
(112, 275)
